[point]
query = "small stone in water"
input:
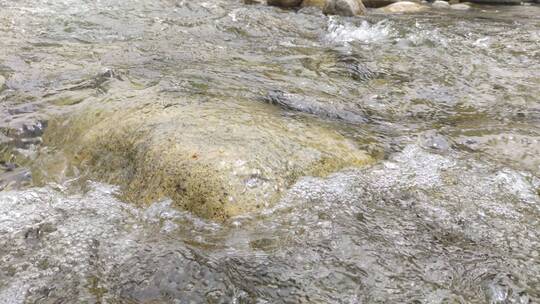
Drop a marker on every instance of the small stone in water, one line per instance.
(435, 141)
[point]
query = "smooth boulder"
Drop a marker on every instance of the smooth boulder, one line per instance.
(440, 4)
(403, 7)
(337, 7)
(344, 7)
(216, 158)
(460, 7)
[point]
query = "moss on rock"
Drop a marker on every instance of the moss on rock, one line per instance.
(216, 159)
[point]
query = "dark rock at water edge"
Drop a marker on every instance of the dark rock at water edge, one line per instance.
(344, 7)
(504, 2)
(285, 3)
(378, 3)
(330, 7)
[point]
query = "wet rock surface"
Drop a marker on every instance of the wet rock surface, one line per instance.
(315, 3)
(440, 4)
(214, 159)
(503, 2)
(460, 7)
(331, 7)
(345, 7)
(379, 3)
(404, 7)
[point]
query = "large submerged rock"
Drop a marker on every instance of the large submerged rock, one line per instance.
(214, 158)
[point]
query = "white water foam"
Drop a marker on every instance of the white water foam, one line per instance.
(339, 32)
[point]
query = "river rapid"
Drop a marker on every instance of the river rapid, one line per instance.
(445, 103)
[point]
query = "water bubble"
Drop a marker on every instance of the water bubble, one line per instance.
(340, 32)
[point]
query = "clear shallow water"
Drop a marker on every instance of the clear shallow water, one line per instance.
(420, 226)
(448, 101)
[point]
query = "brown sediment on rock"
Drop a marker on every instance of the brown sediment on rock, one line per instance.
(215, 159)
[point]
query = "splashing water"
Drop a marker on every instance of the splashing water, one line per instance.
(420, 225)
(344, 32)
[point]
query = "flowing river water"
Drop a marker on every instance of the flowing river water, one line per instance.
(445, 103)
